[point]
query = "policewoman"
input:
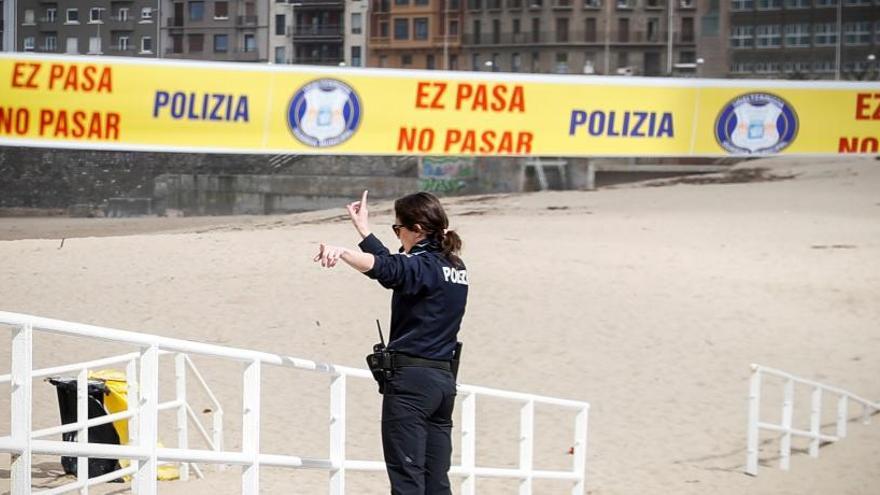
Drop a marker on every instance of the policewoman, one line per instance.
(430, 287)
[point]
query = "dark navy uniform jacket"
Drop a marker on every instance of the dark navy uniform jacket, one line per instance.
(429, 297)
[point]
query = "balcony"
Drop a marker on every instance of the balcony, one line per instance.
(246, 20)
(46, 24)
(175, 22)
(121, 50)
(320, 4)
(323, 31)
(318, 60)
(120, 23)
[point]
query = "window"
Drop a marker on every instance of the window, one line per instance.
(122, 43)
(562, 63)
(221, 10)
(742, 37)
(356, 57)
(176, 43)
(383, 60)
(687, 57)
(536, 29)
(280, 24)
(356, 23)
(857, 2)
(475, 4)
(122, 14)
(146, 44)
(196, 11)
(797, 35)
(767, 67)
(28, 18)
(514, 4)
(740, 5)
(72, 16)
(654, 4)
(877, 33)
(280, 55)
(797, 4)
(221, 43)
(496, 31)
(857, 33)
(401, 29)
(406, 59)
(96, 15)
(826, 3)
(825, 34)
(515, 62)
(50, 43)
(622, 60)
(823, 66)
(475, 62)
(420, 28)
(768, 36)
(72, 45)
(536, 62)
(769, 4)
(795, 67)
(453, 62)
(741, 67)
(250, 43)
(494, 66)
(196, 43)
(517, 26)
(383, 29)
(590, 30)
(625, 4)
(592, 4)
(401, 2)
(30, 43)
(51, 14)
(477, 32)
(147, 14)
(623, 30)
(430, 63)
(95, 45)
(561, 29)
(453, 28)
(422, 2)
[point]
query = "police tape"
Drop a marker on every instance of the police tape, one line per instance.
(161, 105)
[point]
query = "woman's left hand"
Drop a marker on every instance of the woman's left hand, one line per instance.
(329, 255)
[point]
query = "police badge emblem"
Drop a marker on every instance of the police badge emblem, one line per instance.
(324, 113)
(756, 123)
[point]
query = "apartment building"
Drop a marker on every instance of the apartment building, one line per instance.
(230, 30)
(416, 34)
(804, 39)
(4, 31)
(626, 37)
(357, 17)
(93, 27)
(319, 32)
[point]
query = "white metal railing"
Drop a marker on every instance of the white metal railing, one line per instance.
(143, 403)
(786, 428)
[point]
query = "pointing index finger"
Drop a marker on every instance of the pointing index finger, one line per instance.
(364, 198)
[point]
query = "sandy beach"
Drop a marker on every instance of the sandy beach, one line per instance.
(649, 301)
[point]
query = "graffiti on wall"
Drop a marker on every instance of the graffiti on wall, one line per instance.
(446, 175)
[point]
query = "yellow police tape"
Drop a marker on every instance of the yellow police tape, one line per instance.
(161, 105)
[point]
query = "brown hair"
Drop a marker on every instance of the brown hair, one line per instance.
(424, 209)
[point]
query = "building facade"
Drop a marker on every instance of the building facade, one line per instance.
(89, 27)
(611, 37)
(319, 32)
(416, 34)
(230, 30)
(804, 39)
(357, 17)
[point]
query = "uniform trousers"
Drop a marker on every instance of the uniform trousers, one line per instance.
(416, 430)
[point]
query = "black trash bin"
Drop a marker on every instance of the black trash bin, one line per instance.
(105, 433)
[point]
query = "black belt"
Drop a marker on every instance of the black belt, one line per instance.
(402, 361)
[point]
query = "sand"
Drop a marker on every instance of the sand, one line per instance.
(648, 302)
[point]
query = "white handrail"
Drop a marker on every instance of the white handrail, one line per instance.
(786, 429)
(144, 406)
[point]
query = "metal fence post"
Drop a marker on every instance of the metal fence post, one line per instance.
(815, 421)
(82, 435)
(580, 450)
(22, 388)
(526, 445)
(841, 416)
(133, 403)
(787, 411)
(752, 430)
(182, 420)
(250, 428)
(468, 443)
(337, 434)
(148, 419)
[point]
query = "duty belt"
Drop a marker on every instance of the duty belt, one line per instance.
(402, 361)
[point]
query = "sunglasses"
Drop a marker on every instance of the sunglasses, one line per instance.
(396, 228)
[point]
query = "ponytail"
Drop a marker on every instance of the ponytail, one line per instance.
(451, 244)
